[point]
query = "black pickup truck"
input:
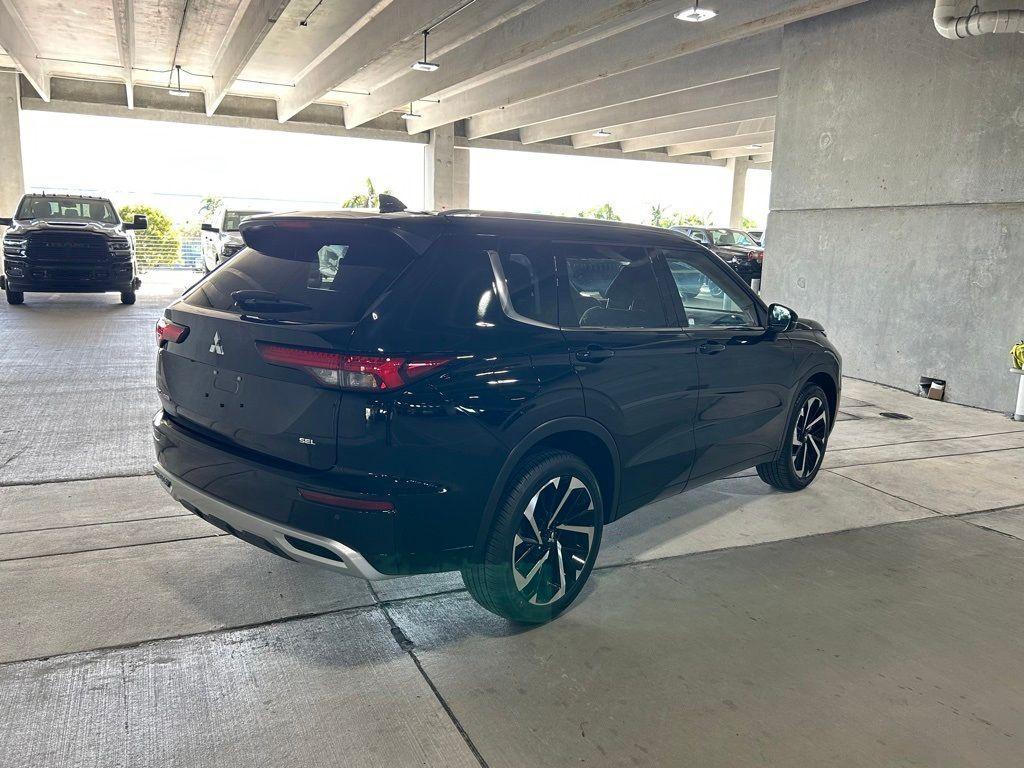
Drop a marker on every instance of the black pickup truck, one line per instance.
(69, 244)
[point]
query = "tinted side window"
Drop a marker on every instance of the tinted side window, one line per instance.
(529, 275)
(709, 298)
(331, 276)
(610, 286)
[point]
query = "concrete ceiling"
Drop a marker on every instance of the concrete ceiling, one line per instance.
(530, 71)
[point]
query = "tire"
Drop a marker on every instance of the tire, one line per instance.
(15, 297)
(790, 470)
(518, 576)
(127, 297)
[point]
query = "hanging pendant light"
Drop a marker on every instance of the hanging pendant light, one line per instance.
(178, 91)
(423, 65)
(696, 14)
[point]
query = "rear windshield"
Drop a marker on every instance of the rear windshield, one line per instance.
(326, 279)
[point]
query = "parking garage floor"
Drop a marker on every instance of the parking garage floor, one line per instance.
(874, 619)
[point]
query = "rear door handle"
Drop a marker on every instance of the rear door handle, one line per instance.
(711, 348)
(594, 354)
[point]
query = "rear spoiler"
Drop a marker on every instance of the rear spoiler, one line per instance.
(298, 236)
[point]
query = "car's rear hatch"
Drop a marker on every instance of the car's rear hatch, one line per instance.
(307, 287)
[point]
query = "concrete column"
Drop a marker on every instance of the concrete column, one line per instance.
(738, 166)
(439, 169)
(12, 175)
(461, 177)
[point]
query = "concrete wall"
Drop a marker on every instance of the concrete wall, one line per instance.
(898, 197)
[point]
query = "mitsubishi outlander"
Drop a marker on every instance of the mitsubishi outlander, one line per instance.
(399, 393)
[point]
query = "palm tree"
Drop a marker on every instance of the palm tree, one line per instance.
(209, 206)
(368, 199)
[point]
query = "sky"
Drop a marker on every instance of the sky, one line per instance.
(173, 166)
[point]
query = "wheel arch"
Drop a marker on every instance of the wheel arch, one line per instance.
(827, 382)
(575, 434)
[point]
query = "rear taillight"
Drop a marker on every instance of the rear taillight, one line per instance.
(168, 331)
(363, 372)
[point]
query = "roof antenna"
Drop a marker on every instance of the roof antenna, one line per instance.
(390, 203)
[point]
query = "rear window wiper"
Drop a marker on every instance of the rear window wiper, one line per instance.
(265, 301)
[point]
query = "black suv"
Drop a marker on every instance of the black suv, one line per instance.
(74, 244)
(401, 393)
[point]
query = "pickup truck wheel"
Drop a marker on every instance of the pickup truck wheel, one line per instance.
(806, 438)
(127, 297)
(543, 542)
(15, 297)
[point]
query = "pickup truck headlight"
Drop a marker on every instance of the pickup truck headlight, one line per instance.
(14, 246)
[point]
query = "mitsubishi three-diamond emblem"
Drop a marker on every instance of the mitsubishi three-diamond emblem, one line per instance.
(216, 346)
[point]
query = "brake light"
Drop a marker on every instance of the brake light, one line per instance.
(363, 372)
(364, 505)
(168, 331)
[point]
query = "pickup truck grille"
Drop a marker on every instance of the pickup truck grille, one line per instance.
(78, 249)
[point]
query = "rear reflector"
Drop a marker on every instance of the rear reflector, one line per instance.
(333, 369)
(365, 505)
(168, 331)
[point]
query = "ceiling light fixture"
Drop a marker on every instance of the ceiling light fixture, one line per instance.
(755, 146)
(601, 133)
(423, 65)
(410, 115)
(178, 91)
(696, 14)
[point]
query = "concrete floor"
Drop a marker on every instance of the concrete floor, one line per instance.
(873, 619)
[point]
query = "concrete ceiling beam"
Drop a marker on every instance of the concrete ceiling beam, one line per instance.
(742, 151)
(124, 33)
(514, 38)
(384, 27)
(256, 21)
(737, 91)
(15, 39)
(651, 130)
(725, 62)
(706, 133)
(647, 44)
(726, 144)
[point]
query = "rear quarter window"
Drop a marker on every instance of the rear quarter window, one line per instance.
(527, 269)
(332, 275)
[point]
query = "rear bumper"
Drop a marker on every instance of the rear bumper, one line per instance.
(424, 533)
(282, 539)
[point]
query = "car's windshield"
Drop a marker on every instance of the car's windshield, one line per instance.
(66, 208)
(233, 218)
(731, 237)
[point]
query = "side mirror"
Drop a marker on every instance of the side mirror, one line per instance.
(140, 221)
(4, 222)
(209, 228)
(780, 318)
